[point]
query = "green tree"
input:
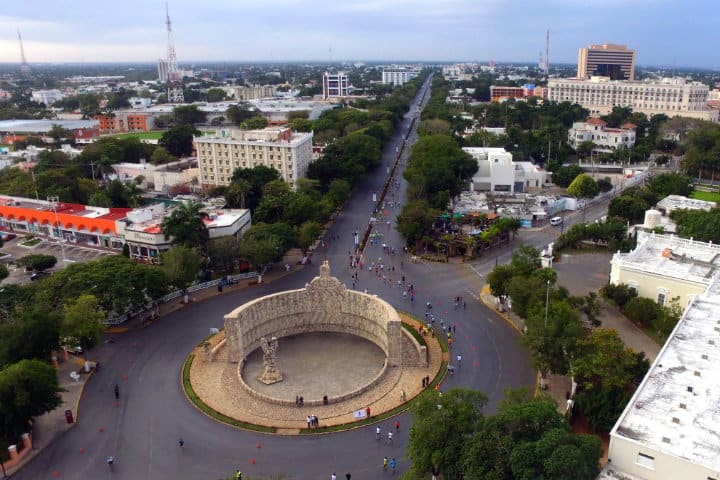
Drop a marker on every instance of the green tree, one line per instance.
(237, 193)
(215, 95)
(308, 233)
(552, 340)
(261, 252)
(257, 176)
(181, 265)
(179, 140)
(499, 280)
(4, 272)
(672, 183)
(440, 429)
(37, 262)
(434, 126)
(698, 224)
(585, 148)
(416, 220)
(628, 207)
(188, 115)
(27, 389)
(566, 174)
(257, 122)
(301, 125)
(82, 318)
(238, 113)
(583, 186)
(223, 253)
(161, 156)
(185, 226)
(34, 333)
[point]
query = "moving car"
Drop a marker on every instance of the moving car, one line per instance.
(555, 221)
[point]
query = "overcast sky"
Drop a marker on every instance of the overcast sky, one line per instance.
(663, 32)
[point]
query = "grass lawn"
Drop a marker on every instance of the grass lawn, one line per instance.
(707, 196)
(140, 135)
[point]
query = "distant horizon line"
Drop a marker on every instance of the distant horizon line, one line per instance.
(325, 62)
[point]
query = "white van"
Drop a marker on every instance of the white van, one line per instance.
(555, 221)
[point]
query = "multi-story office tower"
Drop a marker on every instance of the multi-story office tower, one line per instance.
(607, 60)
(335, 85)
(220, 155)
(670, 96)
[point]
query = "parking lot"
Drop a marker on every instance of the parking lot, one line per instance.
(73, 253)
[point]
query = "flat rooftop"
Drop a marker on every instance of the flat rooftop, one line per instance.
(44, 126)
(676, 409)
(678, 202)
(673, 256)
(74, 209)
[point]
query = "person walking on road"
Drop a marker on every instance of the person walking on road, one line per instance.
(389, 438)
(393, 465)
(117, 392)
(385, 463)
(238, 475)
(459, 360)
(377, 433)
(333, 477)
(397, 426)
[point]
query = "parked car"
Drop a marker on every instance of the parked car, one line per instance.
(39, 275)
(5, 236)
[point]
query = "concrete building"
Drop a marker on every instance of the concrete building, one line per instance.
(606, 139)
(397, 76)
(497, 172)
(276, 110)
(160, 178)
(220, 155)
(82, 130)
(254, 92)
(677, 202)
(125, 121)
(664, 267)
(669, 429)
(607, 60)
(142, 228)
(47, 97)
(335, 85)
(500, 93)
(669, 96)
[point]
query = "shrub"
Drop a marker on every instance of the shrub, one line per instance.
(643, 311)
(618, 294)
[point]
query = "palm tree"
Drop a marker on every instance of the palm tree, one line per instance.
(185, 226)
(237, 193)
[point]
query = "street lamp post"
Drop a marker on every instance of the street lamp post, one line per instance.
(547, 301)
(54, 202)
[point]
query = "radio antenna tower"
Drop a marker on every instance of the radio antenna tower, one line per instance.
(174, 80)
(24, 67)
(547, 53)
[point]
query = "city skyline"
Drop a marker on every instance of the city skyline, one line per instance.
(370, 30)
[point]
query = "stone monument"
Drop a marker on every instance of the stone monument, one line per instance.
(271, 374)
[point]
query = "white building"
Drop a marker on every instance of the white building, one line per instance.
(497, 172)
(47, 97)
(397, 76)
(335, 85)
(254, 92)
(670, 96)
(605, 139)
(670, 430)
(220, 155)
(142, 228)
(678, 202)
(665, 267)
(140, 102)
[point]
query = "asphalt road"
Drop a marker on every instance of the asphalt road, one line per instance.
(142, 429)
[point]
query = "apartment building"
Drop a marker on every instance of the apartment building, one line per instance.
(125, 121)
(254, 92)
(500, 93)
(288, 152)
(669, 96)
(497, 172)
(605, 138)
(397, 76)
(335, 85)
(607, 60)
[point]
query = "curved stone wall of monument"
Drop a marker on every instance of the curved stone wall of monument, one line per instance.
(324, 305)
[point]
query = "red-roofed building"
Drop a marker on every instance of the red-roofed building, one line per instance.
(85, 225)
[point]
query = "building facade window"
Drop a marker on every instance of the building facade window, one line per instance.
(645, 461)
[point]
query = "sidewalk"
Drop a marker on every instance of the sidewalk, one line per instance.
(49, 427)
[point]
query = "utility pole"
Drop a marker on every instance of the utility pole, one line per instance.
(54, 203)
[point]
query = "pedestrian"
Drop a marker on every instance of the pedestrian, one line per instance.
(238, 475)
(347, 476)
(377, 433)
(459, 360)
(393, 465)
(385, 463)
(117, 391)
(389, 438)
(333, 476)
(308, 421)
(367, 411)
(397, 426)
(403, 396)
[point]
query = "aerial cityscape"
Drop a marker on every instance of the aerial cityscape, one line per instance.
(407, 239)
